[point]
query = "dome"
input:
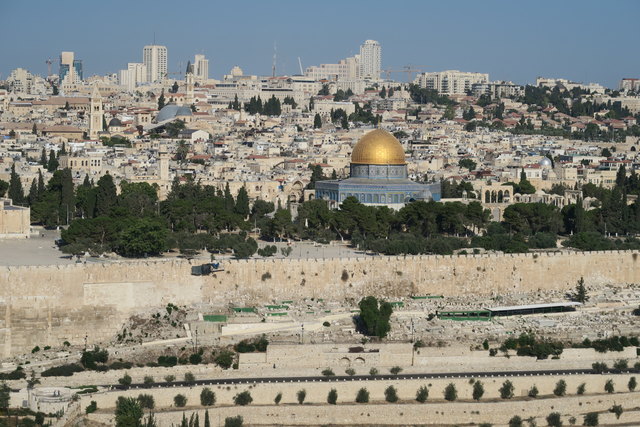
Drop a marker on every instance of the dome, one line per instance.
(378, 147)
(115, 122)
(170, 111)
(545, 162)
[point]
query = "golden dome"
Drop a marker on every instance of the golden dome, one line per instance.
(378, 147)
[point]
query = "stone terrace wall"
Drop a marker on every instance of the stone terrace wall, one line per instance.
(46, 305)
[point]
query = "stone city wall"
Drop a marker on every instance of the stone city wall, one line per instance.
(47, 305)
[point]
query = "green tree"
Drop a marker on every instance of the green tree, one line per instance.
(581, 389)
(207, 423)
(422, 394)
(467, 163)
(617, 410)
(554, 419)
(16, 193)
(478, 390)
(515, 421)
(53, 163)
(161, 100)
(207, 397)
(449, 113)
(180, 400)
(362, 396)
(43, 158)
(5, 397)
(236, 421)
(591, 419)
(106, 197)
(277, 399)
(125, 380)
(332, 397)
(580, 294)
(317, 121)
(146, 401)
(383, 92)
(243, 398)
(242, 203)
(609, 386)
(224, 359)
(375, 316)
(506, 391)
(4, 185)
(561, 388)
(450, 392)
(128, 412)
(142, 237)
(632, 384)
(302, 394)
(391, 394)
(533, 392)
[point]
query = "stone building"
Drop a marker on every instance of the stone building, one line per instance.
(14, 220)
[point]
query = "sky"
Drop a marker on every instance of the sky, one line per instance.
(585, 40)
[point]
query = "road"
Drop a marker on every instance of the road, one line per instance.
(381, 377)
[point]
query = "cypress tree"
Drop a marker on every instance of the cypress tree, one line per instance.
(66, 195)
(43, 157)
(41, 188)
(207, 423)
(229, 203)
(33, 192)
(242, 203)
(317, 121)
(52, 165)
(161, 100)
(105, 195)
(16, 193)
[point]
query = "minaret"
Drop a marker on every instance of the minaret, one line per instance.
(189, 81)
(95, 115)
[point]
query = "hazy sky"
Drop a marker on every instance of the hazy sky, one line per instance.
(588, 41)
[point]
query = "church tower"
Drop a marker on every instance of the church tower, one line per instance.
(189, 82)
(95, 115)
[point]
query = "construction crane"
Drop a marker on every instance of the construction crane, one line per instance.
(408, 69)
(49, 61)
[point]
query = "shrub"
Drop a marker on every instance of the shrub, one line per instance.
(236, 421)
(148, 379)
(391, 394)
(599, 367)
(35, 349)
(478, 390)
(195, 359)
(632, 384)
(167, 361)
(125, 380)
(395, 370)
(561, 388)
(350, 371)
(373, 371)
(302, 394)
(91, 408)
(326, 324)
(332, 397)
(16, 374)
(506, 391)
(328, 372)
(533, 392)
(62, 371)
(422, 394)
(609, 386)
(591, 419)
(485, 344)
(91, 358)
(515, 421)
(450, 392)
(146, 401)
(616, 409)
(189, 377)
(581, 389)
(180, 400)
(493, 352)
(554, 419)
(362, 396)
(243, 398)
(278, 398)
(170, 378)
(224, 359)
(207, 397)
(621, 364)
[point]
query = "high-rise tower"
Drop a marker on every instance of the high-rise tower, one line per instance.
(154, 57)
(370, 60)
(201, 68)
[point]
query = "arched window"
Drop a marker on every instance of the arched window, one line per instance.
(500, 198)
(487, 197)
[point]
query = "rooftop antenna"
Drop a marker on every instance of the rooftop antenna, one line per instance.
(273, 67)
(300, 64)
